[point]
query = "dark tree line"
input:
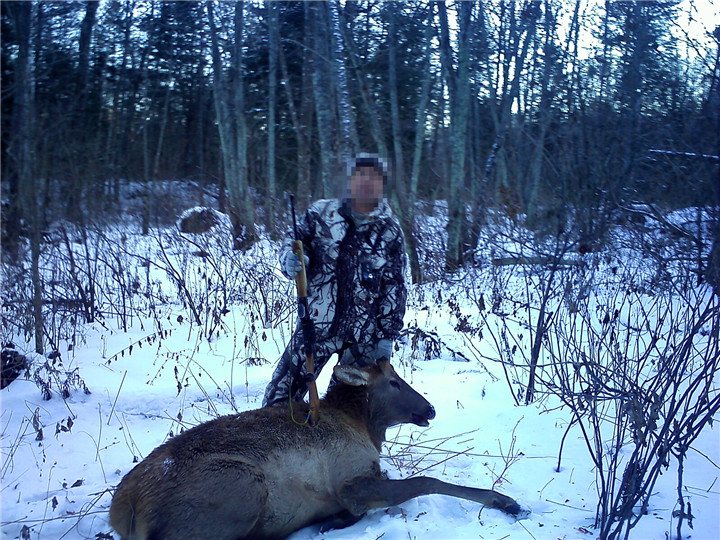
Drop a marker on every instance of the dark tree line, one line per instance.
(543, 108)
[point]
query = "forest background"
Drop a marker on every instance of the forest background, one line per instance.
(567, 113)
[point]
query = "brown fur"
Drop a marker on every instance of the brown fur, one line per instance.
(260, 475)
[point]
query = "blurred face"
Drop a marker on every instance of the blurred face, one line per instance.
(366, 189)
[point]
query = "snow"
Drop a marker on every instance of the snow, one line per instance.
(62, 458)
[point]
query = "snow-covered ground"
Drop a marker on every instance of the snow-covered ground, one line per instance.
(61, 458)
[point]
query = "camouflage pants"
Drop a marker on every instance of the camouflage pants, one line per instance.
(288, 380)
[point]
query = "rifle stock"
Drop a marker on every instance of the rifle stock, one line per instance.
(301, 277)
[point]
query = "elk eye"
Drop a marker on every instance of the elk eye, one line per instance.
(395, 384)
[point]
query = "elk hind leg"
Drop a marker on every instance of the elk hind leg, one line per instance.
(226, 497)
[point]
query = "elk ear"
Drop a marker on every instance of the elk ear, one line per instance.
(351, 375)
(386, 367)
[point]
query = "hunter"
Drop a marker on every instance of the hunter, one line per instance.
(355, 263)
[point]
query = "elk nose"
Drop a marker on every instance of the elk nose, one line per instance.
(430, 412)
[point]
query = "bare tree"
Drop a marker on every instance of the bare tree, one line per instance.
(348, 132)
(712, 106)
(370, 106)
(406, 188)
(23, 181)
(300, 117)
(273, 53)
(638, 403)
(458, 82)
(232, 125)
(544, 113)
(317, 13)
(521, 33)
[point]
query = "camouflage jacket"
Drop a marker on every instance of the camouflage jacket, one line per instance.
(356, 272)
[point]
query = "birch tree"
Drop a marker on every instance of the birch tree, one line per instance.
(348, 132)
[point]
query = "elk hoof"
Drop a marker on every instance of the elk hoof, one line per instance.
(517, 511)
(509, 506)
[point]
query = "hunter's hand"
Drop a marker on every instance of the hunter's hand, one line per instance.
(291, 264)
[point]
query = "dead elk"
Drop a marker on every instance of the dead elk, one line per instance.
(260, 475)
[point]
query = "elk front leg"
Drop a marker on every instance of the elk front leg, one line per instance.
(366, 493)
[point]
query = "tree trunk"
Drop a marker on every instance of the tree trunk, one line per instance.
(544, 114)
(114, 144)
(407, 191)
(502, 107)
(573, 87)
(230, 110)
(274, 46)
(302, 119)
(242, 212)
(306, 120)
(348, 131)
(86, 29)
(83, 129)
(398, 160)
(459, 87)
(317, 12)
(20, 153)
(371, 110)
(712, 105)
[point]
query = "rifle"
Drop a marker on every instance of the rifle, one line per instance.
(308, 328)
